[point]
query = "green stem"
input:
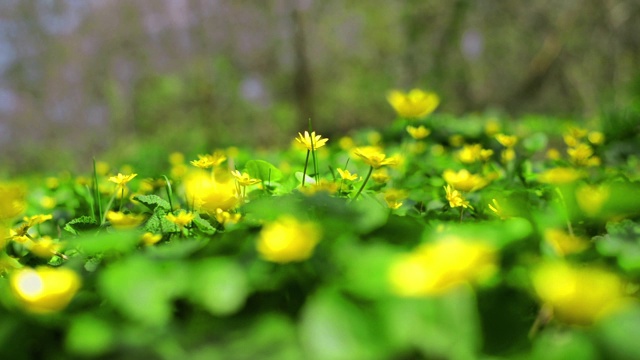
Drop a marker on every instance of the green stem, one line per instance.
(315, 163)
(364, 183)
(566, 211)
(92, 201)
(304, 172)
(96, 191)
(169, 191)
(106, 210)
(121, 199)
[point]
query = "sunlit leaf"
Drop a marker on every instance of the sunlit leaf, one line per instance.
(219, 285)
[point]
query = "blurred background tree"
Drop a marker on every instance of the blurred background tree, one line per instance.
(79, 78)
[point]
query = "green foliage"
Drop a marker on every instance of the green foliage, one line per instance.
(153, 202)
(622, 241)
(401, 271)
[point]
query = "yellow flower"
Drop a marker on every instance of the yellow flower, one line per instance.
(12, 201)
(508, 154)
(507, 141)
(102, 168)
(203, 162)
(374, 138)
(20, 233)
(580, 154)
(44, 289)
(437, 150)
(417, 147)
(472, 153)
(563, 243)
(380, 176)
(469, 153)
(225, 217)
(150, 238)
(322, 186)
(288, 239)
(374, 158)
(553, 154)
(419, 132)
(243, 178)
(577, 132)
(208, 195)
(455, 198)
(485, 154)
(183, 219)
(176, 158)
(463, 180)
(596, 137)
(52, 183)
(179, 171)
(394, 197)
(559, 176)
(208, 161)
(36, 219)
(124, 221)
(570, 140)
(437, 267)
(578, 295)
(590, 199)
(82, 181)
(415, 104)
(121, 180)
(45, 247)
(492, 127)
(593, 161)
(311, 142)
(346, 175)
(48, 202)
(456, 140)
(346, 143)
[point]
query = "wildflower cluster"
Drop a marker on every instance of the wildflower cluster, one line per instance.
(430, 229)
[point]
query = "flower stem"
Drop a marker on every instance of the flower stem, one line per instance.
(364, 183)
(121, 199)
(96, 191)
(106, 210)
(315, 163)
(169, 192)
(566, 210)
(306, 163)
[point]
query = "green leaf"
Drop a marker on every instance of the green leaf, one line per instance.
(499, 233)
(220, 285)
(152, 202)
(159, 224)
(443, 327)
(622, 241)
(117, 241)
(367, 277)
(331, 327)
(371, 214)
(142, 289)
(618, 334)
(89, 336)
(80, 224)
(260, 169)
(176, 249)
(560, 345)
(535, 142)
(203, 225)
